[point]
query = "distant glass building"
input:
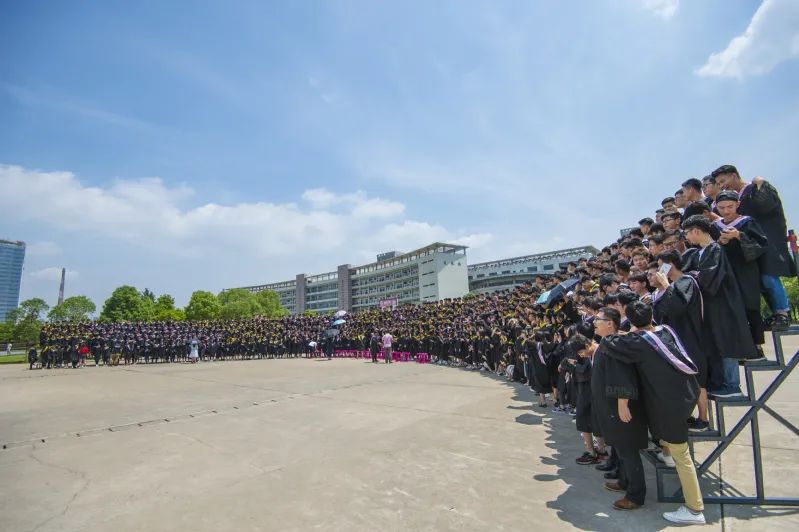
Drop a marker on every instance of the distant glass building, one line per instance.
(12, 255)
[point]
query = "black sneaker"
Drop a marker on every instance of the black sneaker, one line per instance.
(607, 466)
(698, 426)
(587, 459)
(612, 475)
(780, 322)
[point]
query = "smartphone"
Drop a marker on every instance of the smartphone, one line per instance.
(665, 269)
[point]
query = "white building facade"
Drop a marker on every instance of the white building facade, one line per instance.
(504, 274)
(425, 275)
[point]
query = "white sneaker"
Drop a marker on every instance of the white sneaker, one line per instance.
(667, 459)
(685, 516)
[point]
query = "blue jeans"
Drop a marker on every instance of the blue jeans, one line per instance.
(775, 294)
(725, 377)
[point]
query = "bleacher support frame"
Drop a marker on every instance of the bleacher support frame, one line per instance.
(756, 404)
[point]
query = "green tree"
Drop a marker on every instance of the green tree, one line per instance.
(148, 295)
(6, 331)
(238, 303)
(165, 309)
(269, 301)
(203, 306)
(237, 309)
(24, 323)
(308, 313)
(75, 308)
(127, 304)
(30, 309)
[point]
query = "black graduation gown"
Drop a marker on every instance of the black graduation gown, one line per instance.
(540, 381)
(582, 381)
(765, 206)
(669, 395)
(680, 307)
(744, 255)
(611, 380)
(725, 315)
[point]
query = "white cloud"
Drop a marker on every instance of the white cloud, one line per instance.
(52, 273)
(152, 215)
(43, 249)
(664, 9)
(771, 38)
(358, 203)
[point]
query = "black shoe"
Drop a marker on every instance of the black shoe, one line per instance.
(780, 322)
(607, 466)
(612, 475)
(698, 426)
(587, 459)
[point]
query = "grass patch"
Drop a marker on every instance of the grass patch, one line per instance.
(14, 359)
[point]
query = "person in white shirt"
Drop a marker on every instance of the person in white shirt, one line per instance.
(387, 353)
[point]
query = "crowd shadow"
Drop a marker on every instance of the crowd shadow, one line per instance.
(585, 503)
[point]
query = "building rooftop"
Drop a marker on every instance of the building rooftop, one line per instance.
(538, 257)
(410, 256)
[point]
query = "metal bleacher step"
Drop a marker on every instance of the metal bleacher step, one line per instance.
(727, 401)
(763, 365)
(707, 435)
(651, 457)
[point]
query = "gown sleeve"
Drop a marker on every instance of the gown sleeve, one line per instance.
(764, 200)
(675, 300)
(621, 378)
(753, 241)
(712, 269)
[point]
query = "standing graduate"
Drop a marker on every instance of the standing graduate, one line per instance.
(606, 322)
(614, 387)
(540, 380)
(664, 380)
(677, 302)
(745, 243)
(724, 315)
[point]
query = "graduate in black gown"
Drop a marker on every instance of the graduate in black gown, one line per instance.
(677, 302)
(606, 322)
(664, 380)
(614, 384)
(538, 368)
(760, 200)
(724, 313)
(745, 244)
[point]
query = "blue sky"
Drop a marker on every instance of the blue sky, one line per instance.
(202, 145)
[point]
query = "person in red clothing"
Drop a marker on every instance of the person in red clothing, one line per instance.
(83, 352)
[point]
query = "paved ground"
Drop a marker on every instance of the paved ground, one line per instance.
(302, 445)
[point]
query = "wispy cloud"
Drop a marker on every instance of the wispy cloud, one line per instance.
(44, 248)
(30, 98)
(52, 273)
(664, 9)
(771, 38)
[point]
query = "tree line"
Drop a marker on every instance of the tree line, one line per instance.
(126, 303)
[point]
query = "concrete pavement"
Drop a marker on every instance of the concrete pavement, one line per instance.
(306, 444)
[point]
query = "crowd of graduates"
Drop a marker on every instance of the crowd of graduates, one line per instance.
(631, 342)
